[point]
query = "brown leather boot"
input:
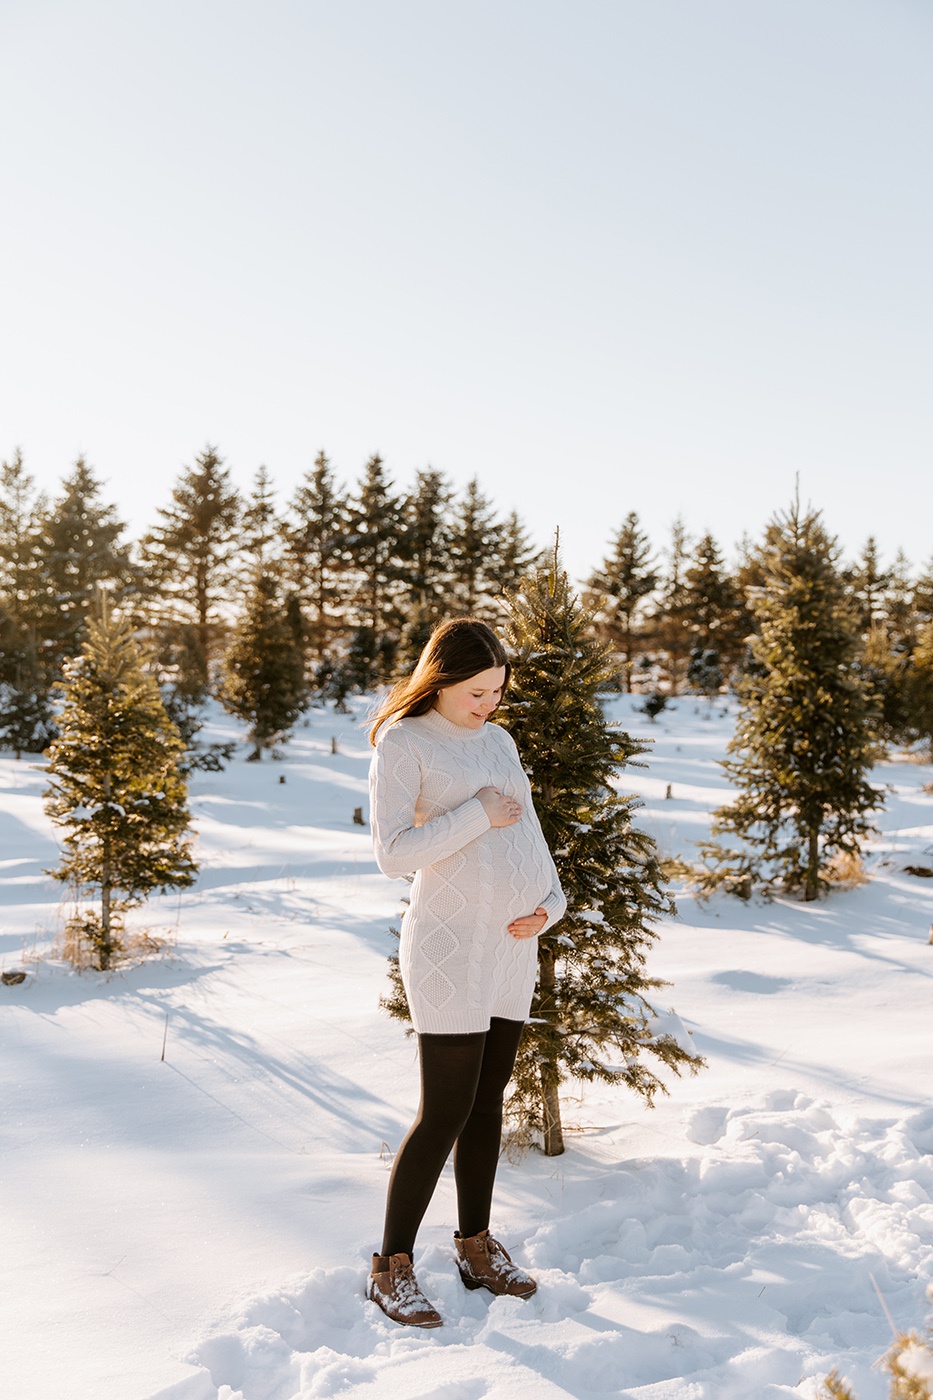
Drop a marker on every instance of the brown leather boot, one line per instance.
(484, 1263)
(392, 1284)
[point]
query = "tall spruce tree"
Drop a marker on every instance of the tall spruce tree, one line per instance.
(922, 598)
(263, 682)
(885, 666)
(804, 742)
(260, 527)
(115, 784)
(900, 621)
(424, 555)
(191, 558)
(714, 614)
(26, 711)
(21, 509)
(669, 629)
(317, 556)
(868, 583)
(475, 547)
(514, 556)
(592, 1016)
(620, 588)
(918, 699)
(374, 545)
(77, 549)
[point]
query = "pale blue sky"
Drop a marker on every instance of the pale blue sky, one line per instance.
(657, 256)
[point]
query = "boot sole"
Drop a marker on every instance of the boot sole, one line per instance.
(473, 1283)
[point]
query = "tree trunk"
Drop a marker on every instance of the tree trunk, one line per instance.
(627, 642)
(811, 889)
(553, 1131)
(549, 1072)
(105, 943)
(202, 600)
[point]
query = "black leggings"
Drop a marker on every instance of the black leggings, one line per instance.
(463, 1079)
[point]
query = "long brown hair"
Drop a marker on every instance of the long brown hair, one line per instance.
(457, 650)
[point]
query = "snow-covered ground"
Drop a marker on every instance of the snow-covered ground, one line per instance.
(199, 1228)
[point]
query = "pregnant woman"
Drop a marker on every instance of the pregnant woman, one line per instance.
(451, 806)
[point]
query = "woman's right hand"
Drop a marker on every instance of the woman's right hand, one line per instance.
(501, 811)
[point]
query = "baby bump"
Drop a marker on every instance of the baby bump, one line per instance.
(526, 872)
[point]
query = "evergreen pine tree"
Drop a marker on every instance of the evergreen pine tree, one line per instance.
(260, 527)
(263, 681)
(424, 551)
(317, 557)
(20, 512)
(705, 673)
(26, 712)
(475, 546)
(922, 599)
(918, 688)
(77, 550)
(620, 588)
(897, 606)
(191, 559)
(714, 613)
(669, 630)
(115, 784)
(514, 556)
(885, 669)
(868, 583)
(804, 745)
(374, 543)
(592, 1016)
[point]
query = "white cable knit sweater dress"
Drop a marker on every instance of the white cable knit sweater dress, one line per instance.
(459, 963)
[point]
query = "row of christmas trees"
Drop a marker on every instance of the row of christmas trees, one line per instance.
(339, 591)
(800, 762)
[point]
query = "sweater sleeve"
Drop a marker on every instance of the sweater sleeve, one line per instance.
(394, 784)
(555, 903)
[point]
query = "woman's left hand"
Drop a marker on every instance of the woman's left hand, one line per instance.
(529, 924)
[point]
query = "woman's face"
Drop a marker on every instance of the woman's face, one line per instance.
(471, 702)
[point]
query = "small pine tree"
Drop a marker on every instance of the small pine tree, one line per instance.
(804, 742)
(27, 719)
(591, 1017)
(704, 673)
(263, 680)
(115, 784)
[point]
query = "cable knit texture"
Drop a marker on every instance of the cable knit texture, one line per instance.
(459, 963)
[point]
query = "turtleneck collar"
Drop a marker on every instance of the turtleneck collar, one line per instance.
(446, 727)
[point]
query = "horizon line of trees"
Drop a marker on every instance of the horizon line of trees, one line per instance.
(271, 607)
